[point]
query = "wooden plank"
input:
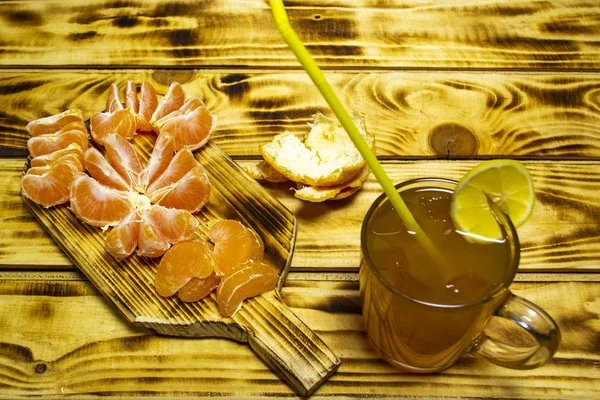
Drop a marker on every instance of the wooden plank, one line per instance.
(61, 338)
(562, 235)
(497, 34)
(411, 114)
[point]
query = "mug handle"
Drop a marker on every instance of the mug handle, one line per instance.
(536, 322)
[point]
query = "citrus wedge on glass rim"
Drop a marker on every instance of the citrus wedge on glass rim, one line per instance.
(507, 183)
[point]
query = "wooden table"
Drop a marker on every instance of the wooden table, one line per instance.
(443, 84)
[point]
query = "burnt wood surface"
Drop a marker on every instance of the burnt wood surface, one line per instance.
(442, 84)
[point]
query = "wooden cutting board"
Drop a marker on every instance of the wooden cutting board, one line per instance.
(269, 327)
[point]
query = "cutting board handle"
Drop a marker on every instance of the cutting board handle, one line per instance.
(286, 344)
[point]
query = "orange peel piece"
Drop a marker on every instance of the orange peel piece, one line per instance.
(264, 172)
(326, 157)
(317, 194)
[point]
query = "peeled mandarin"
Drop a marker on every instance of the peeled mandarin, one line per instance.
(198, 288)
(234, 245)
(181, 263)
(253, 278)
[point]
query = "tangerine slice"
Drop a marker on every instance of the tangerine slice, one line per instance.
(74, 126)
(49, 185)
(253, 278)
(148, 104)
(96, 204)
(124, 158)
(190, 105)
(172, 101)
(113, 102)
(161, 157)
(183, 261)
(120, 121)
(173, 224)
(53, 123)
(198, 288)
(190, 129)
(151, 243)
(48, 143)
(190, 193)
(180, 165)
(102, 171)
(131, 99)
(72, 151)
(121, 241)
(234, 245)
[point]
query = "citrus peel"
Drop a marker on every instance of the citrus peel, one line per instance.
(325, 165)
(336, 192)
(264, 172)
(325, 157)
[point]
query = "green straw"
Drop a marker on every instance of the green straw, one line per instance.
(310, 66)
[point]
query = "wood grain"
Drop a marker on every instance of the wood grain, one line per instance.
(562, 235)
(283, 341)
(411, 114)
(342, 33)
(89, 350)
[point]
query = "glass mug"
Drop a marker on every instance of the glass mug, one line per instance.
(422, 322)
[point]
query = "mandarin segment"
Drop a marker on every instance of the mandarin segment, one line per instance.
(151, 243)
(234, 245)
(190, 193)
(198, 288)
(74, 126)
(48, 143)
(102, 171)
(113, 103)
(147, 106)
(191, 129)
(96, 204)
(124, 159)
(121, 241)
(121, 122)
(180, 165)
(49, 185)
(251, 279)
(131, 99)
(162, 155)
(180, 264)
(190, 105)
(175, 225)
(53, 123)
(72, 151)
(172, 101)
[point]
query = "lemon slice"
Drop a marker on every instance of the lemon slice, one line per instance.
(505, 182)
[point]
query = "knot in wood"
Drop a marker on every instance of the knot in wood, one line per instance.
(41, 368)
(451, 140)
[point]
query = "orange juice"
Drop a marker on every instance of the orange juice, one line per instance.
(417, 319)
